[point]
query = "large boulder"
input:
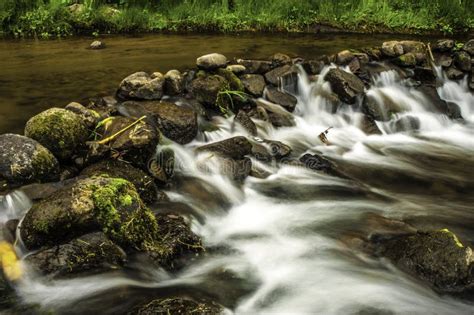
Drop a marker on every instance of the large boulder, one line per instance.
(110, 205)
(143, 183)
(283, 99)
(174, 82)
(24, 160)
(177, 305)
(346, 85)
(177, 123)
(131, 140)
(59, 130)
(90, 253)
(234, 148)
(254, 84)
(141, 86)
(211, 62)
(437, 257)
(414, 47)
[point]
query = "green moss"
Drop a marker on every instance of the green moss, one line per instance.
(454, 237)
(126, 200)
(235, 83)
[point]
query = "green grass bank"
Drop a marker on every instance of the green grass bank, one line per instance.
(53, 18)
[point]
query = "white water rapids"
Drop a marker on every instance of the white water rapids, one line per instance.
(287, 238)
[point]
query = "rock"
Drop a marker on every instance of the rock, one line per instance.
(59, 130)
(135, 144)
(141, 86)
(369, 126)
(143, 183)
(280, 59)
(97, 44)
(443, 45)
(90, 253)
(273, 76)
(236, 69)
(88, 116)
(278, 149)
(379, 108)
(177, 123)
(235, 169)
(161, 166)
(177, 306)
(425, 75)
(445, 61)
(174, 82)
(206, 89)
(254, 84)
(110, 205)
(259, 113)
(211, 62)
(317, 162)
(344, 57)
(414, 47)
(25, 161)
(392, 49)
(277, 115)
(454, 74)
(235, 148)
(255, 66)
(281, 98)
(246, 122)
(451, 110)
(437, 257)
(315, 66)
(234, 82)
(407, 123)
(406, 60)
(462, 60)
(469, 47)
(346, 85)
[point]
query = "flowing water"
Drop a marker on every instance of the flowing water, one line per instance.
(287, 244)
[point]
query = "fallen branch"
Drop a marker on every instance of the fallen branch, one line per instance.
(322, 136)
(118, 133)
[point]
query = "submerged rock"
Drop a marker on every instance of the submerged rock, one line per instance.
(59, 130)
(235, 148)
(211, 61)
(177, 305)
(317, 162)
(254, 84)
(346, 85)
(141, 86)
(25, 161)
(110, 205)
(90, 253)
(437, 257)
(117, 169)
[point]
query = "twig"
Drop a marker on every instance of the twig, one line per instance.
(118, 133)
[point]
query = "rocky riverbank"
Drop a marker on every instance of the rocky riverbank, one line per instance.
(96, 171)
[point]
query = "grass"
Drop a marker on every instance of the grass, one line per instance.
(46, 18)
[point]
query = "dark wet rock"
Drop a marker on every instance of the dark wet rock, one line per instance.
(141, 86)
(280, 59)
(162, 165)
(201, 193)
(135, 144)
(9, 232)
(89, 116)
(407, 123)
(462, 60)
(377, 111)
(281, 98)
(277, 149)
(235, 169)
(235, 148)
(317, 162)
(236, 69)
(259, 113)
(406, 60)
(344, 57)
(274, 76)
(117, 169)
(444, 61)
(255, 66)
(110, 205)
(254, 84)
(261, 152)
(437, 257)
(369, 126)
(97, 44)
(174, 82)
(277, 115)
(246, 122)
(451, 110)
(392, 49)
(443, 45)
(346, 85)
(425, 75)
(177, 244)
(177, 123)
(315, 66)
(469, 47)
(211, 62)
(206, 89)
(91, 253)
(59, 130)
(454, 74)
(177, 306)
(104, 106)
(24, 160)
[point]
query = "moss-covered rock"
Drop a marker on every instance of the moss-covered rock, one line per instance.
(177, 305)
(90, 253)
(462, 60)
(111, 205)
(406, 60)
(59, 130)
(234, 82)
(113, 168)
(24, 161)
(206, 88)
(437, 257)
(90, 117)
